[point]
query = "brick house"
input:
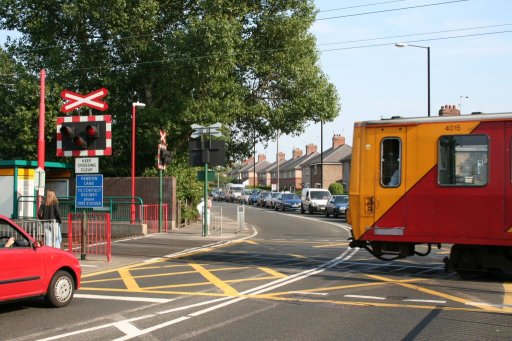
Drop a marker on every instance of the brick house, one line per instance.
(291, 178)
(332, 165)
(250, 170)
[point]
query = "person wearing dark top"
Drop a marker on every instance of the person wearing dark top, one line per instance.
(49, 210)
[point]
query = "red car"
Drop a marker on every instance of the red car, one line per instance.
(28, 269)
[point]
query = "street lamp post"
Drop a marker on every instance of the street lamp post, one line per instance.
(428, 69)
(134, 113)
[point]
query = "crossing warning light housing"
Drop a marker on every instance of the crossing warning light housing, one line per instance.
(84, 135)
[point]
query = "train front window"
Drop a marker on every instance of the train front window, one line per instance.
(390, 162)
(463, 160)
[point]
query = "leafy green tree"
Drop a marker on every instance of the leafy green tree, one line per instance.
(19, 112)
(336, 188)
(251, 65)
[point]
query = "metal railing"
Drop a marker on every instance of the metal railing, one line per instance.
(152, 217)
(47, 231)
(119, 207)
(215, 225)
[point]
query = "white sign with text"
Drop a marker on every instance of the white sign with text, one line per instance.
(87, 165)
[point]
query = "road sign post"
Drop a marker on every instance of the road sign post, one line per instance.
(203, 158)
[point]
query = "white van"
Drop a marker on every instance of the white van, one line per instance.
(233, 192)
(314, 200)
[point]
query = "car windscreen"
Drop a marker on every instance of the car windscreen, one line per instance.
(290, 196)
(320, 195)
(342, 200)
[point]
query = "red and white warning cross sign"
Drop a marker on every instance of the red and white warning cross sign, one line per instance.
(163, 134)
(91, 100)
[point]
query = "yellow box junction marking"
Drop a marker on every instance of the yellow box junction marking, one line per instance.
(129, 281)
(228, 290)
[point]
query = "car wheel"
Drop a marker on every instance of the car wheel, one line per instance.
(283, 208)
(336, 215)
(61, 289)
(302, 209)
(309, 210)
(326, 214)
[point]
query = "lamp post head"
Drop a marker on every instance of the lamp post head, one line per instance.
(401, 44)
(138, 104)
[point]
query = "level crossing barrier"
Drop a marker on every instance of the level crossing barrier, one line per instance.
(89, 233)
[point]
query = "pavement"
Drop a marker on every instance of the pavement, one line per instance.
(179, 240)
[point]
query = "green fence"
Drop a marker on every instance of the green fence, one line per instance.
(119, 207)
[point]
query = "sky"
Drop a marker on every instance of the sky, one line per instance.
(470, 64)
(470, 61)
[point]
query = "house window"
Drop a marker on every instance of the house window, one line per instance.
(463, 160)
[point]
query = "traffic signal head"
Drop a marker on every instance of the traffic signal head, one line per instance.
(92, 132)
(83, 136)
(165, 156)
(67, 132)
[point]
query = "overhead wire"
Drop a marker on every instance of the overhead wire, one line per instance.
(390, 10)
(119, 39)
(163, 61)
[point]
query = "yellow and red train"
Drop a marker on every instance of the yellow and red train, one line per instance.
(435, 180)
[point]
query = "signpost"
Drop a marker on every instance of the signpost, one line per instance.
(206, 155)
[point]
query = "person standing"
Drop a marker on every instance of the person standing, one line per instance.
(49, 210)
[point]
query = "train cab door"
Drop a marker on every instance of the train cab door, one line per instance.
(508, 177)
(390, 181)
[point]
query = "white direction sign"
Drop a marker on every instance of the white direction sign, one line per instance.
(87, 165)
(211, 130)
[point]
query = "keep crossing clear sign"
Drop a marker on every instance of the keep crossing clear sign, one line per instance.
(89, 191)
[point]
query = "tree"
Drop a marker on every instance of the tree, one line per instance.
(336, 188)
(251, 65)
(19, 112)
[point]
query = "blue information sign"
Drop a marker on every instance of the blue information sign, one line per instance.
(89, 191)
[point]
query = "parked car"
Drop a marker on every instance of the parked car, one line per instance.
(233, 192)
(254, 196)
(216, 194)
(269, 202)
(337, 206)
(29, 269)
(314, 200)
(287, 201)
(222, 196)
(262, 197)
(244, 197)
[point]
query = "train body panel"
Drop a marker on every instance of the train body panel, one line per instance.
(454, 182)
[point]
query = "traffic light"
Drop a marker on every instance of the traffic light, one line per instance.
(164, 157)
(84, 135)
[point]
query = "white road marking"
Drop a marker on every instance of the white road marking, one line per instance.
(119, 298)
(133, 332)
(366, 297)
(127, 328)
